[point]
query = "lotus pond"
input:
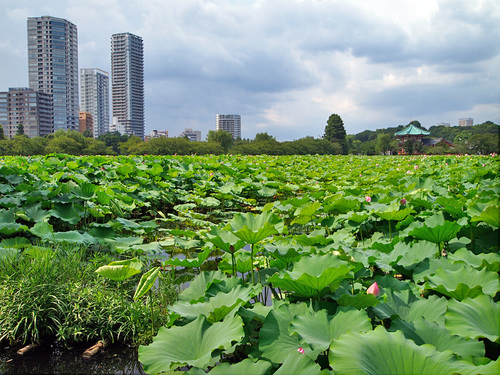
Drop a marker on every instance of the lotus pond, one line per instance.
(294, 264)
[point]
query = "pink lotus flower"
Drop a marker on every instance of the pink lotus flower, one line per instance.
(368, 198)
(300, 350)
(373, 289)
(402, 201)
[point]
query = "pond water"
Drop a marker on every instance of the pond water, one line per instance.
(54, 359)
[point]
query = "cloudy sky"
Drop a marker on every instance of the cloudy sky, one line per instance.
(286, 65)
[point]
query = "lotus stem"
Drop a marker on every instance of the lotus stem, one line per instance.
(251, 268)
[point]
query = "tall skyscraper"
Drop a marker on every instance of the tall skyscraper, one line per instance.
(127, 83)
(53, 66)
(94, 98)
(229, 123)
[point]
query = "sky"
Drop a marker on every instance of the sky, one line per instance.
(286, 65)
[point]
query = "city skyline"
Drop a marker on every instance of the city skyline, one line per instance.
(286, 71)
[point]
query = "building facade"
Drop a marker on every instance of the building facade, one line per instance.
(127, 82)
(466, 122)
(53, 66)
(94, 98)
(33, 109)
(86, 122)
(192, 135)
(230, 124)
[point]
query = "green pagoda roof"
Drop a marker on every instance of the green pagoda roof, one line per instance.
(412, 130)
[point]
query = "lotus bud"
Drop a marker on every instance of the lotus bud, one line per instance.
(402, 201)
(300, 350)
(373, 289)
(368, 198)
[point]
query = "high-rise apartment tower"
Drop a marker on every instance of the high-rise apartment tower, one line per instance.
(229, 123)
(127, 82)
(53, 66)
(94, 98)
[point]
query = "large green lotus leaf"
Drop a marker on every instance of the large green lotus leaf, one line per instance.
(247, 367)
(287, 253)
(254, 228)
(432, 309)
(490, 215)
(217, 307)
(318, 329)
(42, 229)
(454, 206)
(191, 345)
(190, 263)
(36, 213)
(358, 301)
(225, 240)
(306, 213)
(85, 190)
(436, 229)
(73, 237)
(243, 263)
(198, 287)
(146, 282)
(423, 332)
(428, 267)
(342, 204)
(310, 276)
(394, 213)
(489, 261)
(15, 243)
(120, 270)
(275, 342)
(474, 318)
(464, 282)
(298, 364)
(8, 223)
(416, 252)
(381, 352)
(357, 217)
(468, 368)
(67, 212)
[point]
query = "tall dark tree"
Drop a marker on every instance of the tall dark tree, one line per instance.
(2, 135)
(20, 129)
(335, 132)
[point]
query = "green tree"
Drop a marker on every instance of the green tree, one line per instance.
(335, 132)
(224, 138)
(20, 129)
(264, 137)
(113, 140)
(383, 143)
(2, 134)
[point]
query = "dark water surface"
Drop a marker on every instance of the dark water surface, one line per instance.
(53, 359)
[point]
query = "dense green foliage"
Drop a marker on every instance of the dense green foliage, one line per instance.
(286, 249)
(480, 139)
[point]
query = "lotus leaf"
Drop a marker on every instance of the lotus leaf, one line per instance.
(246, 366)
(436, 229)
(474, 318)
(464, 282)
(217, 307)
(193, 344)
(120, 270)
(299, 364)
(146, 282)
(311, 276)
(423, 332)
(382, 352)
(318, 329)
(490, 215)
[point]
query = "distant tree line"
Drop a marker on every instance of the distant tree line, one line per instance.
(477, 139)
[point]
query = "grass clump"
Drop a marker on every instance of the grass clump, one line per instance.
(54, 294)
